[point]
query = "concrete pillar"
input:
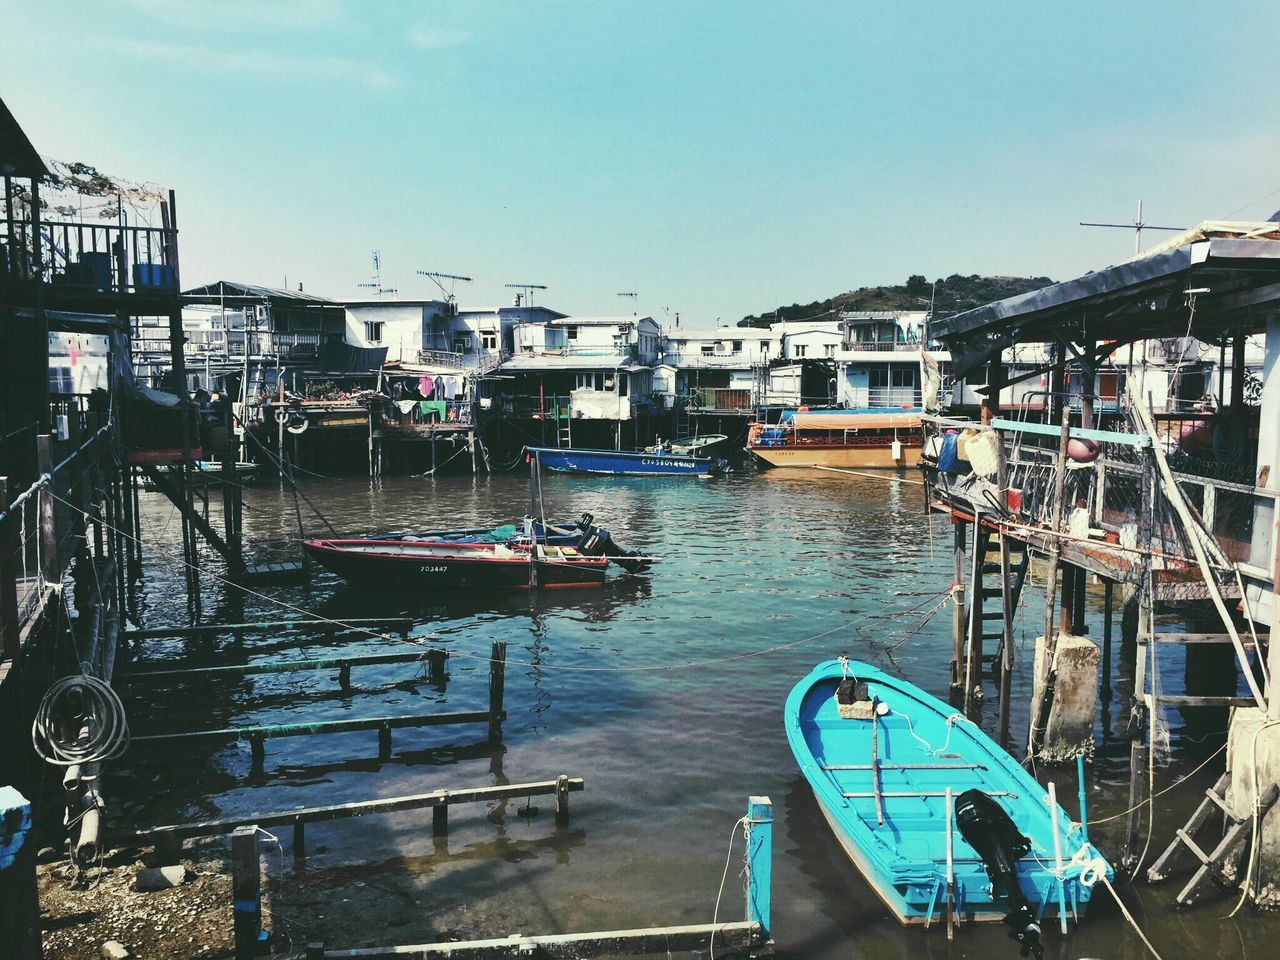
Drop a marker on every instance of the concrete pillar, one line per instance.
(1253, 760)
(1068, 730)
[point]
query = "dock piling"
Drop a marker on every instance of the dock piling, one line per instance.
(760, 862)
(497, 689)
(562, 801)
(246, 893)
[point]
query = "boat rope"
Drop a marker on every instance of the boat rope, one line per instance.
(745, 824)
(1128, 916)
(951, 721)
(436, 466)
(1176, 783)
(312, 617)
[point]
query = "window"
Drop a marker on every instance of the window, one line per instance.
(764, 346)
(737, 346)
(799, 350)
(903, 376)
(373, 331)
(462, 344)
(571, 333)
(600, 380)
(489, 341)
(708, 349)
(829, 349)
(622, 384)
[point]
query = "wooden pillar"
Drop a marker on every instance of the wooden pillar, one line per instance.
(1108, 610)
(562, 801)
(246, 893)
(959, 622)
(497, 688)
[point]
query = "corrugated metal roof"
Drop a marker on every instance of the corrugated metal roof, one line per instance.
(534, 362)
(18, 158)
(250, 291)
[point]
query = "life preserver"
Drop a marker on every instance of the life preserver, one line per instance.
(298, 423)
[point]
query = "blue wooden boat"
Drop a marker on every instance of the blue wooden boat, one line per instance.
(884, 757)
(625, 463)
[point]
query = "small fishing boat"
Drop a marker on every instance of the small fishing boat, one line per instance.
(626, 463)
(442, 565)
(573, 554)
(935, 815)
(209, 473)
(869, 438)
(703, 445)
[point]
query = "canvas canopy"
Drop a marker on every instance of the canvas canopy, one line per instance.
(857, 420)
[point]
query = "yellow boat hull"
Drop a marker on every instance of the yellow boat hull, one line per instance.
(859, 457)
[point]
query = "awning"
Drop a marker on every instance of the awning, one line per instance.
(834, 420)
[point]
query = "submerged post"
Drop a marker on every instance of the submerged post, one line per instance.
(497, 688)
(759, 862)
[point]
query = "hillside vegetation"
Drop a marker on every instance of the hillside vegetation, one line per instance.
(955, 294)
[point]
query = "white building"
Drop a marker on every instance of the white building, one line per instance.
(585, 368)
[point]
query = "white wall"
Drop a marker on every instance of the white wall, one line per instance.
(401, 328)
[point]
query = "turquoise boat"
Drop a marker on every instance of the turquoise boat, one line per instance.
(909, 786)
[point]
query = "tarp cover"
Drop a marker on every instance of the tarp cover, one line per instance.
(857, 420)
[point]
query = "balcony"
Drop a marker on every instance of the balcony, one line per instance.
(722, 399)
(877, 346)
(89, 259)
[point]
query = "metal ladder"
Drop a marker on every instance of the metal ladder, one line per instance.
(564, 424)
(1238, 831)
(992, 624)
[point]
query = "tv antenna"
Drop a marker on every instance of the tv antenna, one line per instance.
(453, 278)
(377, 278)
(1137, 227)
(528, 289)
(634, 298)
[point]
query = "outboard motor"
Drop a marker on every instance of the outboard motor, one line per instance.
(997, 840)
(596, 542)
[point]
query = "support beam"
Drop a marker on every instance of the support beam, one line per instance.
(276, 666)
(438, 800)
(374, 626)
(234, 734)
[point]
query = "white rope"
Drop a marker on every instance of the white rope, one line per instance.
(744, 823)
(1256, 814)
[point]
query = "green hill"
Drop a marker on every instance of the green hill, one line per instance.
(955, 294)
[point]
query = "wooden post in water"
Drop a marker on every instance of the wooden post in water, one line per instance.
(246, 893)
(760, 863)
(562, 801)
(497, 689)
(959, 622)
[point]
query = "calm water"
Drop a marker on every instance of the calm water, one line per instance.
(664, 693)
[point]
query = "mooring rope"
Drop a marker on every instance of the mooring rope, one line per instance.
(312, 617)
(744, 823)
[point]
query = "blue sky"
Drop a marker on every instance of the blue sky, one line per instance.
(715, 157)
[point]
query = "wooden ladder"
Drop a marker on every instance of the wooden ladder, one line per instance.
(995, 624)
(564, 430)
(1238, 831)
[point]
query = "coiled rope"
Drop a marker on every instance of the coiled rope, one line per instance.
(93, 705)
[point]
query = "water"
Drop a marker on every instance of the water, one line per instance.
(664, 693)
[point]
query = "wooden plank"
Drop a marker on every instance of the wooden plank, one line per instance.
(1200, 638)
(1180, 701)
(438, 799)
(728, 936)
(234, 734)
(394, 624)
(275, 666)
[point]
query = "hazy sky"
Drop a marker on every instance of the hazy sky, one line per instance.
(716, 157)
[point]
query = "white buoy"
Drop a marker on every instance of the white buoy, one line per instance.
(897, 449)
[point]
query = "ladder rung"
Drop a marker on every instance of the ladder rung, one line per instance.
(993, 615)
(1192, 846)
(1218, 802)
(993, 636)
(991, 568)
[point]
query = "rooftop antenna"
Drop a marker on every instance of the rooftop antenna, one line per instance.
(453, 278)
(377, 277)
(634, 298)
(528, 289)
(1137, 227)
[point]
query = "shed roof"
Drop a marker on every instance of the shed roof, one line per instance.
(536, 362)
(1147, 297)
(226, 289)
(18, 158)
